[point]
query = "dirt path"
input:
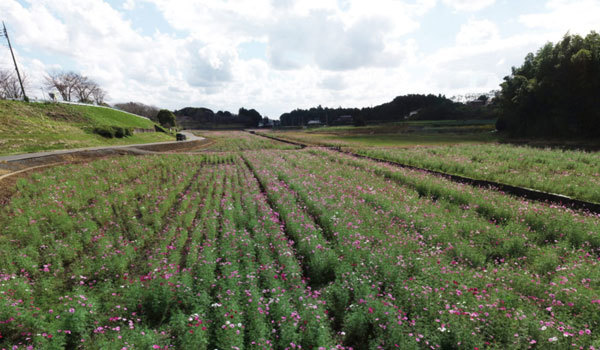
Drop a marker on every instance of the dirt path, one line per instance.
(17, 157)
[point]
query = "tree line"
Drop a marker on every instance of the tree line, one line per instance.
(555, 92)
(73, 86)
(413, 107)
(199, 117)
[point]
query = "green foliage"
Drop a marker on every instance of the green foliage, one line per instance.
(359, 121)
(396, 110)
(113, 131)
(252, 116)
(555, 91)
(166, 118)
(448, 110)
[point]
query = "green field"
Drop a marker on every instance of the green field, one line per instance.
(32, 127)
(459, 150)
(572, 173)
(288, 248)
(227, 141)
(394, 134)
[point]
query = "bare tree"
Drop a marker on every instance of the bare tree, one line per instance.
(63, 82)
(98, 94)
(73, 86)
(9, 84)
(4, 77)
(83, 89)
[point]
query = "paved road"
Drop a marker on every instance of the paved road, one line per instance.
(189, 137)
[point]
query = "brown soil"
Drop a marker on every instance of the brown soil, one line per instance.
(70, 116)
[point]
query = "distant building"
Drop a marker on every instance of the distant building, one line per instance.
(344, 119)
(269, 124)
(314, 122)
(411, 114)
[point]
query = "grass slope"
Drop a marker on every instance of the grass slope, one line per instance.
(32, 127)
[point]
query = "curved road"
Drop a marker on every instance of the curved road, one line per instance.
(23, 156)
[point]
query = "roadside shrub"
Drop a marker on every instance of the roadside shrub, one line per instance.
(113, 131)
(122, 132)
(119, 131)
(104, 131)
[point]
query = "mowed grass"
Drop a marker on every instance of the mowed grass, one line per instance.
(32, 127)
(285, 249)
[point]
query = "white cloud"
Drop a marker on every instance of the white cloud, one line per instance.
(333, 82)
(477, 32)
(468, 5)
(129, 5)
(328, 52)
(202, 66)
(210, 66)
(562, 16)
(322, 40)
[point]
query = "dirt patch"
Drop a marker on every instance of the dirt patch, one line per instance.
(71, 116)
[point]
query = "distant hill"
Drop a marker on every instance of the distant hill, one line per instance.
(414, 107)
(194, 117)
(31, 127)
(204, 118)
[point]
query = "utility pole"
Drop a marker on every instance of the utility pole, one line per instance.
(15, 62)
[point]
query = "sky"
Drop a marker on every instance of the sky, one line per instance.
(279, 55)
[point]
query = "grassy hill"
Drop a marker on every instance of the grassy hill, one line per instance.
(32, 127)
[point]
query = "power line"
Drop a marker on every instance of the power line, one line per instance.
(5, 34)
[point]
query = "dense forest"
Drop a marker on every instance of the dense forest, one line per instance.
(556, 92)
(414, 106)
(204, 118)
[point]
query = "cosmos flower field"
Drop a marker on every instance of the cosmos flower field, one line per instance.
(289, 249)
(572, 173)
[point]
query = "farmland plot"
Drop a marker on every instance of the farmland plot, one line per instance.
(289, 249)
(152, 257)
(227, 141)
(572, 173)
(425, 262)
